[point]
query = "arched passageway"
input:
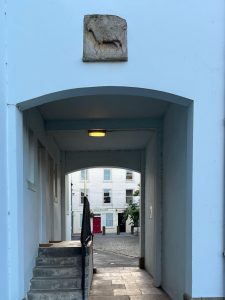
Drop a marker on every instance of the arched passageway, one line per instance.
(147, 131)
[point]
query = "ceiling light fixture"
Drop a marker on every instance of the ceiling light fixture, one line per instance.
(97, 132)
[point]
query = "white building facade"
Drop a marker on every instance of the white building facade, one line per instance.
(163, 110)
(109, 190)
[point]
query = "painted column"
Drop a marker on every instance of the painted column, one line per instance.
(208, 195)
(15, 202)
(188, 242)
(3, 167)
(67, 181)
(142, 212)
(4, 205)
(63, 200)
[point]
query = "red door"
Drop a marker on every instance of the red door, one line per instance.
(97, 225)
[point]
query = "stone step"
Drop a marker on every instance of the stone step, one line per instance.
(59, 252)
(57, 271)
(55, 283)
(71, 294)
(59, 261)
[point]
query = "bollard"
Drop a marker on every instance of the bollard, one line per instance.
(103, 230)
(132, 229)
(118, 230)
(141, 262)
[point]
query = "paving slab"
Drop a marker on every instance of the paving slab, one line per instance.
(109, 298)
(124, 284)
(149, 297)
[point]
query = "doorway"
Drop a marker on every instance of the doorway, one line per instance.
(121, 222)
(96, 224)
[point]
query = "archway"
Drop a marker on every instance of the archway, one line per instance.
(104, 91)
(111, 192)
(146, 133)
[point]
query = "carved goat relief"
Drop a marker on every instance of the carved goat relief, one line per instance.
(105, 38)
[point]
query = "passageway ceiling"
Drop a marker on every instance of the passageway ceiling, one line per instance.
(130, 121)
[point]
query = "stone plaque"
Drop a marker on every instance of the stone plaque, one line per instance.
(105, 38)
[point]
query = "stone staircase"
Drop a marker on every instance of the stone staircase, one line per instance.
(58, 273)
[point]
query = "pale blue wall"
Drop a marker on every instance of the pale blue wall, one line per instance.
(174, 46)
(14, 175)
(174, 201)
(151, 198)
(46, 43)
(166, 229)
(3, 210)
(34, 215)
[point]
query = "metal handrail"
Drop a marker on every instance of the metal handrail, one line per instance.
(85, 238)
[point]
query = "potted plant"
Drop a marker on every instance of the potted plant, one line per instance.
(132, 212)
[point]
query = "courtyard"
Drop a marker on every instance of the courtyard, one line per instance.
(113, 250)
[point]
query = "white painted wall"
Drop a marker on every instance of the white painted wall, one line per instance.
(174, 201)
(95, 186)
(39, 214)
(68, 225)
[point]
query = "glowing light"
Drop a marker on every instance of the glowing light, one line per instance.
(97, 132)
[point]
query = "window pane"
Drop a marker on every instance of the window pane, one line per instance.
(129, 196)
(107, 174)
(129, 175)
(109, 219)
(107, 196)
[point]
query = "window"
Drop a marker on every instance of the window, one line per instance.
(129, 175)
(107, 174)
(109, 219)
(84, 174)
(81, 218)
(129, 196)
(107, 196)
(82, 194)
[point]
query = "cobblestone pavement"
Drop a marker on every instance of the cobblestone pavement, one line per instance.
(108, 259)
(116, 250)
(124, 284)
(125, 244)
